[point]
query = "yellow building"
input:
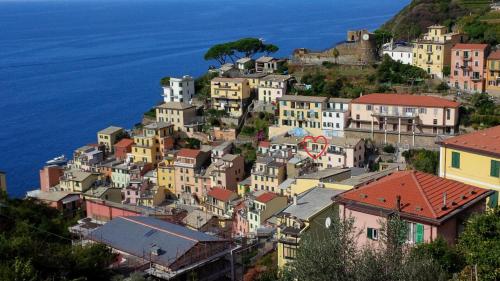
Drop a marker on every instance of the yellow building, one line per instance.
(166, 175)
(303, 112)
(325, 178)
(178, 113)
(310, 212)
(151, 145)
(109, 136)
(267, 174)
(493, 73)
(432, 51)
(231, 95)
(473, 159)
(77, 181)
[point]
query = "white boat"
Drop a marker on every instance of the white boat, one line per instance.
(59, 160)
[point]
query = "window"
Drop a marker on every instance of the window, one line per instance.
(415, 232)
(368, 107)
(372, 233)
(422, 110)
(495, 168)
(455, 160)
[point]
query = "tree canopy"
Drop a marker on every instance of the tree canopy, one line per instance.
(246, 47)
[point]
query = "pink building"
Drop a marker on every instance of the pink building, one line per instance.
(468, 62)
(430, 205)
(49, 177)
(105, 210)
(240, 220)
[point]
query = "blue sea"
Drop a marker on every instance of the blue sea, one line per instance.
(69, 68)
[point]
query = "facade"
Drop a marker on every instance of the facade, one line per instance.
(108, 137)
(473, 159)
(468, 62)
(403, 54)
(66, 202)
(122, 148)
(335, 117)
(151, 145)
(273, 87)
(267, 64)
(261, 206)
(172, 251)
(77, 181)
(230, 95)
(227, 171)
(392, 116)
(177, 113)
(188, 167)
(3, 181)
(218, 201)
(122, 174)
(310, 212)
(432, 51)
(340, 152)
(245, 65)
(166, 175)
(431, 206)
(49, 177)
(493, 73)
(267, 174)
(303, 112)
(86, 158)
(179, 89)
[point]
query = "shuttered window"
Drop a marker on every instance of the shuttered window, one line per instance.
(455, 160)
(372, 233)
(493, 200)
(495, 168)
(419, 233)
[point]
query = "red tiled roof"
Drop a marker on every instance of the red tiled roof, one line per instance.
(221, 194)
(404, 99)
(124, 143)
(484, 141)
(470, 46)
(190, 153)
(495, 55)
(265, 144)
(266, 197)
(421, 194)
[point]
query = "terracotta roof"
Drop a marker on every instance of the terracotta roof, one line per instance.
(495, 55)
(190, 153)
(470, 46)
(221, 194)
(265, 144)
(266, 197)
(405, 99)
(124, 143)
(421, 194)
(485, 141)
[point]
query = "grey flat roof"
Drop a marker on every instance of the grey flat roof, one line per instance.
(367, 177)
(138, 235)
(328, 172)
(175, 105)
(158, 125)
(276, 78)
(311, 202)
(110, 130)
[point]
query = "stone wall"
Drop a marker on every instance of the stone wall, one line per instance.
(421, 141)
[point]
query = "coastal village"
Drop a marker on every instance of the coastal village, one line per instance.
(209, 185)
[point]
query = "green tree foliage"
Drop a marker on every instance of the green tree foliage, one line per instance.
(423, 160)
(481, 113)
(165, 81)
(202, 85)
(450, 259)
(389, 148)
(35, 245)
(390, 71)
(336, 256)
(480, 244)
(246, 47)
(382, 36)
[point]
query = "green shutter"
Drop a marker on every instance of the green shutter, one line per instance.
(369, 233)
(495, 168)
(455, 160)
(493, 202)
(420, 233)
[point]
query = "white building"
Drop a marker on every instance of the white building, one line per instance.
(273, 87)
(403, 54)
(245, 65)
(179, 89)
(335, 117)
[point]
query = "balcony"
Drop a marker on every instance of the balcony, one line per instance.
(428, 62)
(429, 51)
(396, 114)
(476, 78)
(467, 59)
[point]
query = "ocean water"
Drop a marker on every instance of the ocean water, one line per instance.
(69, 68)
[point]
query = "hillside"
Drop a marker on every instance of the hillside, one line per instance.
(413, 20)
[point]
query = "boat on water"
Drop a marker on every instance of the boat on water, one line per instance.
(59, 161)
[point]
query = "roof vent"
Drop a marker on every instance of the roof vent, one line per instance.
(453, 203)
(381, 199)
(463, 197)
(418, 208)
(472, 192)
(156, 251)
(362, 195)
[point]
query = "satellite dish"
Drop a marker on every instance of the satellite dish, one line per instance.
(328, 222)
(366, 37)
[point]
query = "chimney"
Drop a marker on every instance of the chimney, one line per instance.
(398, 203)
(444, 201)
(295, 199)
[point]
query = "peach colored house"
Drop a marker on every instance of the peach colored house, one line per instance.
(397, 116)
(468, 62)
(189, 178)
(431, 206)
(49, 177)
(227, 171)
(123, 147)
(218, 200)
(240, 220)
